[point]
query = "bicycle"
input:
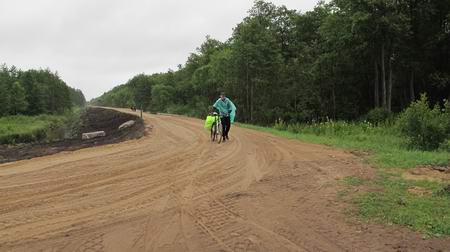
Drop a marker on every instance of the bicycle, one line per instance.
(216, 129)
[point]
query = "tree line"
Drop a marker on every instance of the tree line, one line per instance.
(34, 92)
(340, 60)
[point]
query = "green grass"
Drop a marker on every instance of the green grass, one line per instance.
(387, 149)
(26, 129)
(428, 213)
(353, 181)
(387, 199)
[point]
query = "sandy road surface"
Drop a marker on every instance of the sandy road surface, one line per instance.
(173, 190)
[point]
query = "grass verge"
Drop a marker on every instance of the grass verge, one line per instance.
(42, 128)
(386, 148)
(416, 204)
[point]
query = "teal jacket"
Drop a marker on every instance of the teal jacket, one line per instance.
(225, 107)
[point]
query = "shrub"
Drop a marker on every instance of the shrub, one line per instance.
(445, 146)
(295, 128)
(446, 115)
(377, 116)
(424, 127)
(280, 125)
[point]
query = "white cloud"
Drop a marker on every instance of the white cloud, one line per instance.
(96, 45)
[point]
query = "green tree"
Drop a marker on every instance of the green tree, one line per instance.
(142, 90)
(4, 100)
(339, 60)
(258, 61)
(162, 97)
(77, 97)
(17, 100)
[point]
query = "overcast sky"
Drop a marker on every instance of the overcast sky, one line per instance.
(96, 45)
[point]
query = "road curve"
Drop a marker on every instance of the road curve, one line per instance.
(174, 190)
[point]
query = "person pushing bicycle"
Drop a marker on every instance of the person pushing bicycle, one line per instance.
(227, 112)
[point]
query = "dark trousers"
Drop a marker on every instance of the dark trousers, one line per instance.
(226, 124)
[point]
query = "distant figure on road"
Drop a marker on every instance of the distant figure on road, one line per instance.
(227, 112)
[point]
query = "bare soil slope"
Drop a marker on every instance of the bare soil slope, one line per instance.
(94, 119)
(173, 190)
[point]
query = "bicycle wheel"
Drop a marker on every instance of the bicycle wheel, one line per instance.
(213, 132)
(219, 132)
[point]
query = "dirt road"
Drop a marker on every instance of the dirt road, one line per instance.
(173, 190)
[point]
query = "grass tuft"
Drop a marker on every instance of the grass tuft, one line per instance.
(354, 181)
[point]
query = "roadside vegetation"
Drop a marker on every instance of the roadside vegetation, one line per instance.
(20, 129)
(419, 136)
(423, 205)
(36, 106)
(381, 146)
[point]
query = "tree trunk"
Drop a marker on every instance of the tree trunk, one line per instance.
(251, 102)
(383, 78)
(295, 102)
(333, 95)
(376, 86)
(411, 87)
(247, 94)
(389, 89)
